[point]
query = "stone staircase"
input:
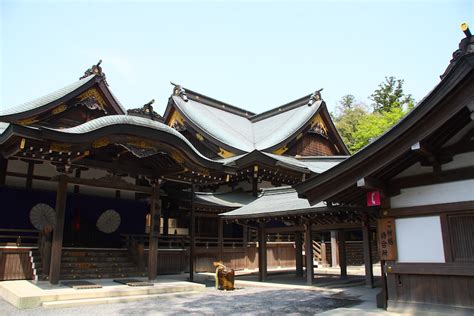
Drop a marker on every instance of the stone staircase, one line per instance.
(91, 264)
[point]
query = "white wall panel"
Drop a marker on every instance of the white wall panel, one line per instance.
(419, 239)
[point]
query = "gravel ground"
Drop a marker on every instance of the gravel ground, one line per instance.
(250, 301)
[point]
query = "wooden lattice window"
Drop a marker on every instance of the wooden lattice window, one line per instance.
(461, 233)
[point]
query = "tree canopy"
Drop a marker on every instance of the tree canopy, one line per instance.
(359, 125)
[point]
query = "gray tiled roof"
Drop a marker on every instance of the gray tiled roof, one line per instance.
(315, 164)
(273, 201)
(111, 120)
(242, 133)
(228, 199)
(44, 100)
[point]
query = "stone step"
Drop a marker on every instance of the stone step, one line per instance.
(118, 253)
(108, 275)
(95, 259)
(102, 270)
(110, 300)
(95, 265)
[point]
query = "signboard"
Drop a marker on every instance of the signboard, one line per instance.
(386, 239)
(373, 198)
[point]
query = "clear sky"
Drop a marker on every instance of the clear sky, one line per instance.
(256, 55)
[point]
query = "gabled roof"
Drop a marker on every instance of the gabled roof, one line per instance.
(241, 131)
(275, 202)
(50, 101)
(315, 164)
(227, 200)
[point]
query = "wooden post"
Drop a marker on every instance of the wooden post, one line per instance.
(29, 175)
(192, 233)
(245, 238)
(334, 249)
(166, 227)
(220, 238)
(77, 175)
(3, 170)
(57, 244)
(262, 253)
(299, 254)
(324, 259)
(308, 240)
(342, 253)
(46, 251)
(154, 234)
(369, 273)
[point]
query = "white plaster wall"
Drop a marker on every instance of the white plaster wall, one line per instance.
(459, 191)
(460, 161)
(419, 239)
(413, 170)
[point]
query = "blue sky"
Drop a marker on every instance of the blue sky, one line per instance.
(256, 55)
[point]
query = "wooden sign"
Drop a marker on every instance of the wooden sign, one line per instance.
(387, 241)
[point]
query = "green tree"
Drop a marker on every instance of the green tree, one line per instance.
(390, 95)
(350, 113)
(358, 127)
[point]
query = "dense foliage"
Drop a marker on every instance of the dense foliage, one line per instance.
(359, 125)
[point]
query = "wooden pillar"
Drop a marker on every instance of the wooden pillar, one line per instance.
(77, 175)
(334, 249)
(299, 254)
(342, 253)
(255, 181)
(192, 234)
(3, 170)
(166, 226)
(369, 273)
(245, 239)
(308, 240)
(154, 233)
(46, 250)
(262, 253)
(57, 243)
(29, 175)
(220, 238)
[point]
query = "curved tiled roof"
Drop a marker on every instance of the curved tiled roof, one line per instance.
(244, 133)
(116, 120)
(46, 99)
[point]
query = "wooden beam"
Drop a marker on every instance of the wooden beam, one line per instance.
(289, 229)
(371, 184)
(433, 178)
(154, 233)
(420, 149)
(299, 254)
(57, 244)
(369, 273)
(308, 239)
(111, 185)
(262, 253)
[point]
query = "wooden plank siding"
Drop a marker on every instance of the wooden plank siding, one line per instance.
(15, 264)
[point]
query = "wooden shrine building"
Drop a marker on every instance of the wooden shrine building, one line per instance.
(91, 190)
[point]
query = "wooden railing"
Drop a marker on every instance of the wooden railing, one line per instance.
(19, 237)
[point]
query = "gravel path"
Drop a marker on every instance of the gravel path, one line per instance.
(250, 301)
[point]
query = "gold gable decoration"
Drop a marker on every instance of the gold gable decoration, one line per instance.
(101, 142)
(94, 94)
(318, 121)
(224, 153)
(176, 120)
(59, 109)
(281, 150)
(28, 121)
